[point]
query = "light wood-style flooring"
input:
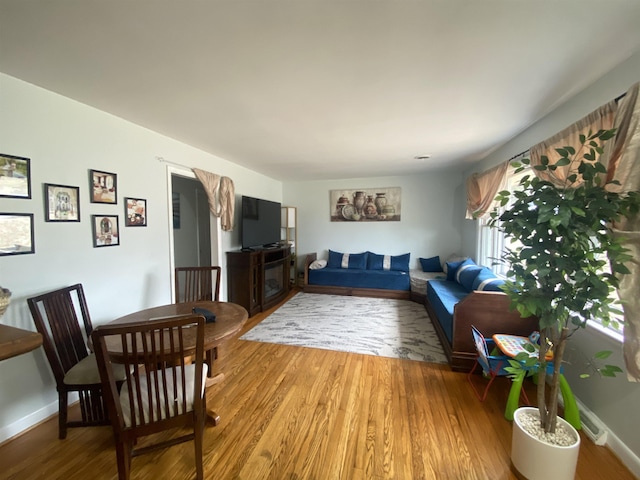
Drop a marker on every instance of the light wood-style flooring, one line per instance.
(298, 413)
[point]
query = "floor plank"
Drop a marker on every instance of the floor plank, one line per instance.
(301, 413)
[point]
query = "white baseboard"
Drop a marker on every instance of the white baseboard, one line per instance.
(29, 421)
(624, 453)
(619, 448)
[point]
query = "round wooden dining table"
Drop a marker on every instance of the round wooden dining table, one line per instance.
(230, 319)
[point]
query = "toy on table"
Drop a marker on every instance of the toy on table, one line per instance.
(512, 345)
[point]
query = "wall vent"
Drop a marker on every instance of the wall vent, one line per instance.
(593, 428)
(591, 424)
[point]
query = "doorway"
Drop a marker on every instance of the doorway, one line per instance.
(194, 231)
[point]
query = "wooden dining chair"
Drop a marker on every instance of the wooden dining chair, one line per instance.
(197, 284)
(56, 315)
(161, 391)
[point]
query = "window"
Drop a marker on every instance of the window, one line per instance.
(492, 242)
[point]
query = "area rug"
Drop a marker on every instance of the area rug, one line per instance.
(371, 326)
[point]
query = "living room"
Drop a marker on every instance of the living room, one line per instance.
(64, 139)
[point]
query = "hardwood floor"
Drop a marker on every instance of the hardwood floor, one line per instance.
(298, 413)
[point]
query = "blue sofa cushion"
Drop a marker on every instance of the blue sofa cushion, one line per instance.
(431, 264)
(487, 281)
(443, 295)
(399, 263)
(347, 260)
(341, 277)
(452, 268)
(466, 275)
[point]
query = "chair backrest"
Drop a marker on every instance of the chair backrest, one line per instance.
(56, 315)
(481, 347)
(161, 389)
(195, 284)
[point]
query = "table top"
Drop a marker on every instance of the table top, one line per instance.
(230, 318)
(512, 345)
(16, 341)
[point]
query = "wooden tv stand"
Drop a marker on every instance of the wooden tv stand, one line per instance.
(258, 279)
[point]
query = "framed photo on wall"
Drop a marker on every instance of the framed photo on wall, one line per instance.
(16, 234)
(104, 187)
(15, 176)
(61, 203)
(106, 232)
(135, 212)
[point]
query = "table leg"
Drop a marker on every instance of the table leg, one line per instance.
(514, 395)
(212, 417)
(571, 412)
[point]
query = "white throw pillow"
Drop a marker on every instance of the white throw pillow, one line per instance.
(318, 264)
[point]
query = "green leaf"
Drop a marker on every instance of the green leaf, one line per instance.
(562, 162)
(604, 354)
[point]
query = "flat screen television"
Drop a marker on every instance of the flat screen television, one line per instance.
(260, 223)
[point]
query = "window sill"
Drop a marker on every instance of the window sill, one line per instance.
(617, 336)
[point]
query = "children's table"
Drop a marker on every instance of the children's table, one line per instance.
(512, 345)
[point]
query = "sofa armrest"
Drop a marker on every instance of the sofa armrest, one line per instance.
(311, 257)
(489, 312)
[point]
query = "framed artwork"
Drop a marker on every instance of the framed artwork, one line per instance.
(61, 203)
(104, 187)
(16, 234)
(105, 230)
(135, 212)
(366, 205)
(15, 176)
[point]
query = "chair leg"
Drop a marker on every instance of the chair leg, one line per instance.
(197, 441)
(123, 455)
(62, 415)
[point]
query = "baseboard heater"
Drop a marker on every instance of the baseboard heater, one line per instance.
(591, 424)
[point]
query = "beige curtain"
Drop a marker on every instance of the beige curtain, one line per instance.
(221, 195)
(624, 166)
(482, 189)
(600, 119)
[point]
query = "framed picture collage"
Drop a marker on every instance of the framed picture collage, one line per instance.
(61, 205)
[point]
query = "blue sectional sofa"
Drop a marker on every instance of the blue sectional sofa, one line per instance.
(471, 295)
(362, 274)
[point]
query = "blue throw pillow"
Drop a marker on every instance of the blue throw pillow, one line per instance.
(431, 264)
(388, 262)
(452, 268)
(347, 260)
(487, 281)
(466, 276)
(400, 262)
(374, 261)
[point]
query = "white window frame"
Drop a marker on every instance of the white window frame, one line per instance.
(491, 241)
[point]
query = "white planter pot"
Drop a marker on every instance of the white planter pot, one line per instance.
(535, 459)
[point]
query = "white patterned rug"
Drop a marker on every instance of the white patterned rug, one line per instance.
(372, 326)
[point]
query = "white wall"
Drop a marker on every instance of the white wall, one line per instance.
(64, 139)
(430, 223)
(614, 401)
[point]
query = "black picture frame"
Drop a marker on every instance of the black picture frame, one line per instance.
(103, 187)
(15, 176)
(135, 212)
(16, 234)
(106, 230)
(61, 203)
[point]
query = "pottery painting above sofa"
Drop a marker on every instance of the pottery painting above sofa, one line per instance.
(366, 205)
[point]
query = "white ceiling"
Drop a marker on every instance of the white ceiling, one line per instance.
(318, 88)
